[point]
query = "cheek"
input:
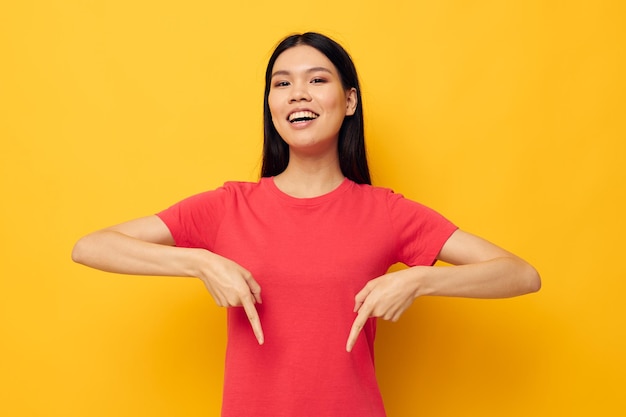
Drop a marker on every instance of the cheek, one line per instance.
(274, 112)
(335, 100)
(272, 104)
(275, 124)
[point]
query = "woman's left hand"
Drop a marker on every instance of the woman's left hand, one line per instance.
(482, 270)
(387, 297)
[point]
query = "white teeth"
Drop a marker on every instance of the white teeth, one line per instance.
(296, 116)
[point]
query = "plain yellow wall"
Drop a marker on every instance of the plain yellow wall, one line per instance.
(506, 116)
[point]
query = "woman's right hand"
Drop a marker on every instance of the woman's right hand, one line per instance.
(145, 246)
(231, 285)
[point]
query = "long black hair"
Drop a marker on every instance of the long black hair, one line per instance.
(351, 145)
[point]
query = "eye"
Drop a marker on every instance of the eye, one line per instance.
(318, 80)
(281, 84)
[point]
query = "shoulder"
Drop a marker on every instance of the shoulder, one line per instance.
(239, 187)
(218, 196)
(228, 188)
(377, 193)
(245, 190)
(373, 190)
(395, 203)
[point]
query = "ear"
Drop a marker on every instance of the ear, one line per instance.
(351, 101)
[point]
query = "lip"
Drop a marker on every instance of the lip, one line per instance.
(301, 109)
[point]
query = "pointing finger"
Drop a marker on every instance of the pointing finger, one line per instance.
(357, 325)
(253, 317)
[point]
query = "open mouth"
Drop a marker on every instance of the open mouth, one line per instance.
(302, 116)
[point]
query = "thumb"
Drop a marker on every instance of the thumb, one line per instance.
(255, 288)
(361, 296)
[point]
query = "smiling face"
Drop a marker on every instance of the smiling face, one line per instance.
(307, 100)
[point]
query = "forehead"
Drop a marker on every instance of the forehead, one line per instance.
(300, 59)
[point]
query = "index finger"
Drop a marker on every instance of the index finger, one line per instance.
(357, 325)
(253, 317)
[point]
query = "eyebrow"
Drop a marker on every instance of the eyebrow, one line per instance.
(308, 71)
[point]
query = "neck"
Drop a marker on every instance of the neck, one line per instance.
(305, 178)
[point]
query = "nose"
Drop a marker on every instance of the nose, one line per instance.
(299, 92)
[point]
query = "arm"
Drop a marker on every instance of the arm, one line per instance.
(145, 247)
(482, 270)
(139, 247)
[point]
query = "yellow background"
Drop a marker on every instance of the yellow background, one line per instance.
(506, 116)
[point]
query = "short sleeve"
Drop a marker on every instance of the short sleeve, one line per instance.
(420, 231)
(194, 221)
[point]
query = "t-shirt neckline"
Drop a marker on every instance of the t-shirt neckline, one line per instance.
(307, 201)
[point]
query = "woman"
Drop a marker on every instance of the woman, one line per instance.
(316, 240)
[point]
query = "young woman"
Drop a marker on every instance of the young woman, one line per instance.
(301, 257)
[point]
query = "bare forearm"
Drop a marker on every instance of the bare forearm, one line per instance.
(497, 278)
(144, 247)
(113, 251)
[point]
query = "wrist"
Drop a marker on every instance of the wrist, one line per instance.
(198, 262)
(421, 280)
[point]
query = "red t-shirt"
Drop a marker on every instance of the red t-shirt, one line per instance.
(311, 256)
